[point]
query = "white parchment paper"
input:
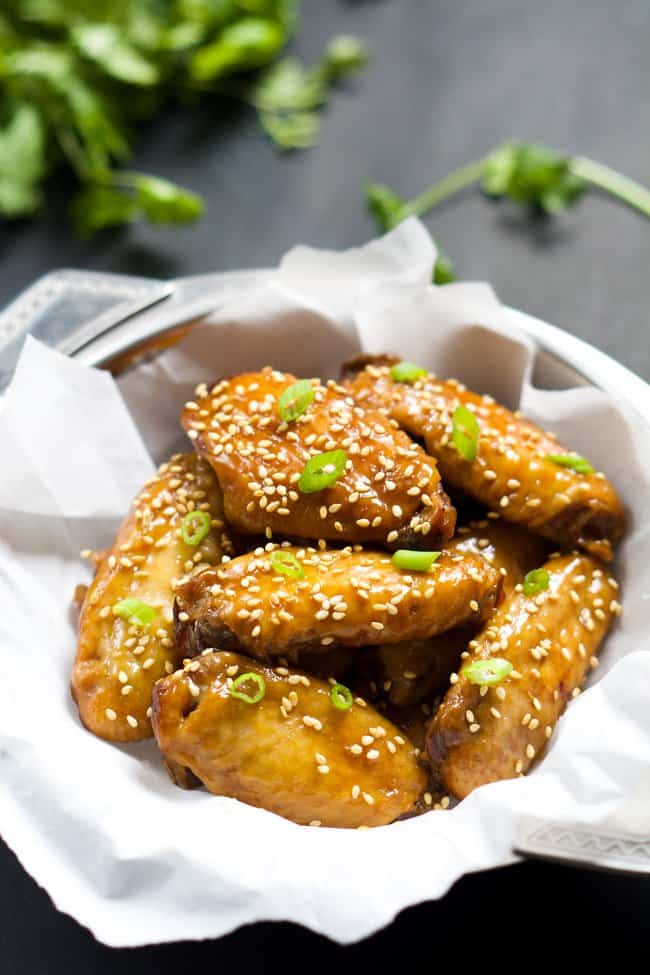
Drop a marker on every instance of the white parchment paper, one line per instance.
(100, 826)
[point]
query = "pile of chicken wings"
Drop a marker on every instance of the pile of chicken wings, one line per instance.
(306, 621)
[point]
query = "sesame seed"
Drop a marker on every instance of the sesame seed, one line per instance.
(372, 754)
(133, 722)
(110, 714)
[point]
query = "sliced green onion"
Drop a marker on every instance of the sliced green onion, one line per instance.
(195, 526)
(405, 558)
(287, 564)
(465, 430)
(487, 672)
(134, 611)
(322, 471)
(572, 461)
(535, 582)
(295, 399)
(256, 696)
(406, 372)
(341, 697)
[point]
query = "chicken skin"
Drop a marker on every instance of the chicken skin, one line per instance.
(484, 733)
(511, 472)
(372, 483)
(333, 598)
(405, 673)
(124, 647)
(291, 750)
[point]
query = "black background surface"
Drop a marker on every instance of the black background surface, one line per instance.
(448, 81)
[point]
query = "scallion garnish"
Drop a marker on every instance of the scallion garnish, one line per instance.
(573, 461)
(406, 372)
(465, 431)
(341, 697)
(287, 564)
(134, 611)
(487, 672)
(293, 402)
(535, 582)
(322, 471)
(241, 695)
(195, 526)
(414, 561)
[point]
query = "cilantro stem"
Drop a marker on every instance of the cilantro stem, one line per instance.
(626, 190)
(456, 181)
(597, 175)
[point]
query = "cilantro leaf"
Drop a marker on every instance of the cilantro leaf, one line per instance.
(101, 207)
(287, 87)
(132, 195)
(384, 205)
(22, 162)
(165, 202)
(443, 269)
(110, 49)
(344, 55)
(248, 43)
(532, 175)
(287, 93)
(293, 130)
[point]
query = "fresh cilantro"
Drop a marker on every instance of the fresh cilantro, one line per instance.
(532, 175)
(529, 174)
(130, 196)
(78, 77)
(389, 209)
(385, 205)
(288, 95)
(22, 162)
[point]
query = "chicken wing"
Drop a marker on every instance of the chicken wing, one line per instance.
(291, 751)
(125, 646)
(511, 472)
(388, 491)
(335, 597)
(484, 733)
(406, 673)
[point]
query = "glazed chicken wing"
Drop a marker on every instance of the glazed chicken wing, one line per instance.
(124, 647)
(276, 740)
(511, 472)
(329, 598)
(386, 489)
(405, 673)
(485, 733)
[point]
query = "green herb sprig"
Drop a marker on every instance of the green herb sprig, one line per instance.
(77, 78)
(529, 174)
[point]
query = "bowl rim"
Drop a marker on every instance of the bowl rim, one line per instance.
(583, 363)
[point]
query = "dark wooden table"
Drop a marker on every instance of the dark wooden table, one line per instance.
(448, 81)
